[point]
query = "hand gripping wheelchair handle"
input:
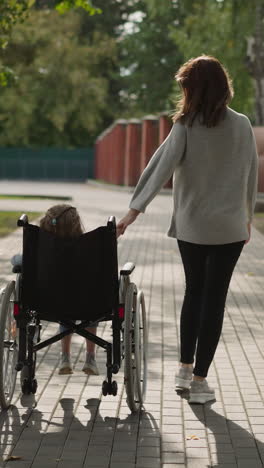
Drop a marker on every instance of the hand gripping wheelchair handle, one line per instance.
(23, 220)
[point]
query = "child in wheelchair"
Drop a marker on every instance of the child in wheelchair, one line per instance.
(64, 221)
(65, 276)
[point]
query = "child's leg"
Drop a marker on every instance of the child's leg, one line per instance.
(66, 341)
(66, 344)
(90, 346)
(65, 365)
(90, 366)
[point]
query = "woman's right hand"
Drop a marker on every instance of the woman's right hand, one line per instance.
(129, 218)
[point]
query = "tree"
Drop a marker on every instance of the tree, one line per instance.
(113, 22)
(220, 28)
(49, 112)
(256, 58)
(149, 60)
(61, 98)
(15, 11)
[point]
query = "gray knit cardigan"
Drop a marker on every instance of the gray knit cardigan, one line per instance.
(214, 180)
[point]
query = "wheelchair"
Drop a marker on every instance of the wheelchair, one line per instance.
(73, 282)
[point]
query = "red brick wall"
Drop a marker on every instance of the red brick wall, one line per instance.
(124, 149)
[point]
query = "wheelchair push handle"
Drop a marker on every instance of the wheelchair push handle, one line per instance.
(23, 220)
(111, 223)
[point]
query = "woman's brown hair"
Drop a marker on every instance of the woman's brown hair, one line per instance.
(207, 90)
(62, 220)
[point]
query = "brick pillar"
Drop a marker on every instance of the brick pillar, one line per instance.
(165, 125)
(150, 139)
(261, 174)
(109, 153)
(132, 152)
(97, 159)
(100, 156)
(259, 135)
(119, 142)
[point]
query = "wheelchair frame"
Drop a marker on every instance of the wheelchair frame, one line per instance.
(20, 332)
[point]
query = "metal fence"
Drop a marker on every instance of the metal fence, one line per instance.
(49, 164)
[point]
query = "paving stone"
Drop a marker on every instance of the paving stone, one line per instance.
(121, 465)
(173, 457)
(221, 448)
(172, 447)
(92, 461)
(148, 451)
(246, 452)
(148, 462)
(197, 462)
(144, 441)
(223, 457)
(249, 463)
(172, 465)
(172, 428)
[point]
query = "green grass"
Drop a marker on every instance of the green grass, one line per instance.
(35, 197)
(8, 220)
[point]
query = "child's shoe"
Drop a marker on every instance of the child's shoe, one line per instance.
(65, 365)
(183, 378)
(200, 392)
(90, 366)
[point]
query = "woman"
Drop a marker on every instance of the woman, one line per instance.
(212, 153)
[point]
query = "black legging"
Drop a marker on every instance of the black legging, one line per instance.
(208, 271)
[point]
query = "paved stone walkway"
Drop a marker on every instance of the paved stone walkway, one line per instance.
(69, 424)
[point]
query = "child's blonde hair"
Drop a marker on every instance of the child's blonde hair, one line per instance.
(63, 220)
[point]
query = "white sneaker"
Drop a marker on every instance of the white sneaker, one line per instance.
(183, 378)
(90, 366)
(65, 366)
(200, 392)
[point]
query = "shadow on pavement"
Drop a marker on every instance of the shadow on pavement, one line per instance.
(74, 434)
(233, 444)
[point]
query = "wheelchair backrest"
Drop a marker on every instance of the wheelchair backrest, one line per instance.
(70, 278)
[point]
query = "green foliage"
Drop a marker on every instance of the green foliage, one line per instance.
(67, 77)
(59, 96)
(220, 28)
(15, 11)
(111, 22)
(11, 11)
(149, 59)
(67, 5)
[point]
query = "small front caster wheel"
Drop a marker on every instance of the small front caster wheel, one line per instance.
(26, 387)
(114, 388)
(34, 385)
(105, 388)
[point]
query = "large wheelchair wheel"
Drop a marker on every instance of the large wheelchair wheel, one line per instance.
(135, 348)
(8, 345)
(141, 346)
